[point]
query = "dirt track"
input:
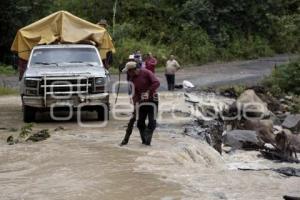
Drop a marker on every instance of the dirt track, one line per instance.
(249, 71)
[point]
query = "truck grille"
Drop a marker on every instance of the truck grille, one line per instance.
(65, 86)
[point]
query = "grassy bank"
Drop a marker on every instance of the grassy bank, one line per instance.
(8, 91)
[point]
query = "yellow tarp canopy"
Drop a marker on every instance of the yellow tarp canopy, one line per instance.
(61, 27)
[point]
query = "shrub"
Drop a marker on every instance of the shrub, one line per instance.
(251, 47)
(122, 31)
(285, 33)
(7, 70)
(194, 45)
(295, 106)
(285, 78)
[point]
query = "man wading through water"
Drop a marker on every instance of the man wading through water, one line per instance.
(145, 101)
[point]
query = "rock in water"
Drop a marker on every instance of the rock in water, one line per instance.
(241, 139)
(292, 122)
(252, 105)
(39, 136)
(275, 119)
(60, 128)
(11, 140)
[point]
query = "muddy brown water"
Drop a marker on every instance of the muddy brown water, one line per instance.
(87, 163)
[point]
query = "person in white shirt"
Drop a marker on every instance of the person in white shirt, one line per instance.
(172, 67)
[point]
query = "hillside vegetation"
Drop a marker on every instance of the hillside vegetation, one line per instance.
(196, 31)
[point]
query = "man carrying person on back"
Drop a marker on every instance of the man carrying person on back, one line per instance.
(145, 101)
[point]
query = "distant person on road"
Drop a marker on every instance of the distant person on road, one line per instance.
(172, 67)
(150, 62)
(145, 101)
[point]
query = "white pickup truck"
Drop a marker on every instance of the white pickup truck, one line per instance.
(64, 76)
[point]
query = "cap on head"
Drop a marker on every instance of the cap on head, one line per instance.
(102, 22)
(131, 57)
(130, 65)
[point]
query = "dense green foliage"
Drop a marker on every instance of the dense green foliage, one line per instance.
(285, 78)
(7, 70)
(196, 31)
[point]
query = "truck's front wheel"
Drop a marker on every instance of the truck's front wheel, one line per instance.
(103, 113)
(28, 114)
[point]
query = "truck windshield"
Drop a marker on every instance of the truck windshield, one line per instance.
(56, 56)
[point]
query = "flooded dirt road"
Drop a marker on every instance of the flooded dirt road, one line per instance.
(87, 163)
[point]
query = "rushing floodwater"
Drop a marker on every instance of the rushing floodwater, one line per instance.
(87, 163)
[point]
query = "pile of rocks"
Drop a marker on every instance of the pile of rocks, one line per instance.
(250, 121)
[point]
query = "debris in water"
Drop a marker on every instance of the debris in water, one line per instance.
(277, 155)
(26, 130)
(286, 197)
(27, 135)
(12, 129)
(39, 136)
(287, 171)
(60, 128)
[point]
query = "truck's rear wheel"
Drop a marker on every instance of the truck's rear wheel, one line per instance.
(28, 114)
(103, 113)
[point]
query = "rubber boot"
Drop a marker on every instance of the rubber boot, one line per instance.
(148, 136)
(126, 137)
(124, 142)
(128, 132)
(143, 137)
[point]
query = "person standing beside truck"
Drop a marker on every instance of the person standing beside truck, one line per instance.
(145, 100)
(172, 67)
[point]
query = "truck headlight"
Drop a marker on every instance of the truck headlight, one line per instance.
(31, 92)
(100, 81)
(31, 83)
